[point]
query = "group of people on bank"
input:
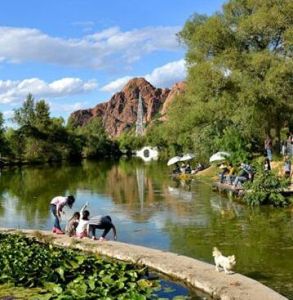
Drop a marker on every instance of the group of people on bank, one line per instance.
(80, 224)
(186, 168)
(246, 173)
(229, 176)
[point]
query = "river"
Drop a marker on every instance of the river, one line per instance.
(150, 208)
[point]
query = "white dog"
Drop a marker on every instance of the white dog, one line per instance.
(225, 262)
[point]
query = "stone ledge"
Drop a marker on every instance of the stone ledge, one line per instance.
(195, 273)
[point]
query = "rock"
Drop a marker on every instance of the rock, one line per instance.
(177, 88)
(119, 114)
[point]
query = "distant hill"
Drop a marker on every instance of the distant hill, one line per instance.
(120, 112)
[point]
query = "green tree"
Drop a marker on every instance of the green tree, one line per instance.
(16, 142)
(42, 115)
(240, 74)
(25, 115)
(4, 147)
(95, 141)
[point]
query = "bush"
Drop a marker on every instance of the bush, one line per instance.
(266, 188)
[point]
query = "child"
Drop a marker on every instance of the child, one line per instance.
(82, 227)
(70, 229)
(101, 223)
(56, 207)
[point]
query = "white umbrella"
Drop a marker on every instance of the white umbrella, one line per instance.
(173, 160)
(187, 156)
(219, 156)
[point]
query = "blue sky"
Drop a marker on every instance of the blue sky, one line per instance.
(77, 53)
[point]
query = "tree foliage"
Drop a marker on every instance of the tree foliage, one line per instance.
(239, 79)
(95, 143)
(40, 138)
(266, 188)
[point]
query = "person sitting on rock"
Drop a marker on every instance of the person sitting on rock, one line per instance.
(82, 227)
(176, 169)
(72, 223)
(231, 172)
(188, 169)
(245, 174)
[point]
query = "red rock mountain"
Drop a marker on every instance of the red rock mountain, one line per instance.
(120, 112)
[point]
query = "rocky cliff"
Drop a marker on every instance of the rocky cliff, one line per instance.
(120, 112)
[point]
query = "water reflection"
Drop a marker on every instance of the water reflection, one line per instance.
(150, 208)
(140, 178)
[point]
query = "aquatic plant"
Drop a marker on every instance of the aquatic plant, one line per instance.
(69, 274)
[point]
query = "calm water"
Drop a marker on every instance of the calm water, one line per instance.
(150, 209)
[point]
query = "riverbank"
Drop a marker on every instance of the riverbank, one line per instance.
(192, 272)
(213, 172)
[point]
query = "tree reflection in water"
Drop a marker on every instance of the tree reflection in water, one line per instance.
(150, 208)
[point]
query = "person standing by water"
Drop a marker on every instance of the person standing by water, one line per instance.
(268, 147)
(290, 144)
(56, 206)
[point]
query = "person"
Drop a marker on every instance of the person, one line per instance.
(56, 206)
(176, 169)
(182, 168)
(268, 147)
(230, 176)
(284, 148)
(245, 174)
(267, 164)
(82, 227)
(70, 229)
(198, 168)
(290, 144)
(287, 166)
(101, 222)
(225, 170)
(188, 169)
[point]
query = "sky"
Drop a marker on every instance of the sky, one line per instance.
(78, 53)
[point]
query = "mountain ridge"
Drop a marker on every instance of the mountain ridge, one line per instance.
(119, 113)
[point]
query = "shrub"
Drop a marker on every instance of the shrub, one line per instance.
(266, 188)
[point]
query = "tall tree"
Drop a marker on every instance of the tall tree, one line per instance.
(240, 71)
(95, 138)
(25, 115)
(42, 115)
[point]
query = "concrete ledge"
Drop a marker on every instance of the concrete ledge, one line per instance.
(193, 272)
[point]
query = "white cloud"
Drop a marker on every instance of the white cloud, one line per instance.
(163, 76)
(8, 114)
(67, 108)
(116, 85)
(106, 49)
(168, 74)
(16, 91)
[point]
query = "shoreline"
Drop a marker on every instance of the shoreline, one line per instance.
(194, 273)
